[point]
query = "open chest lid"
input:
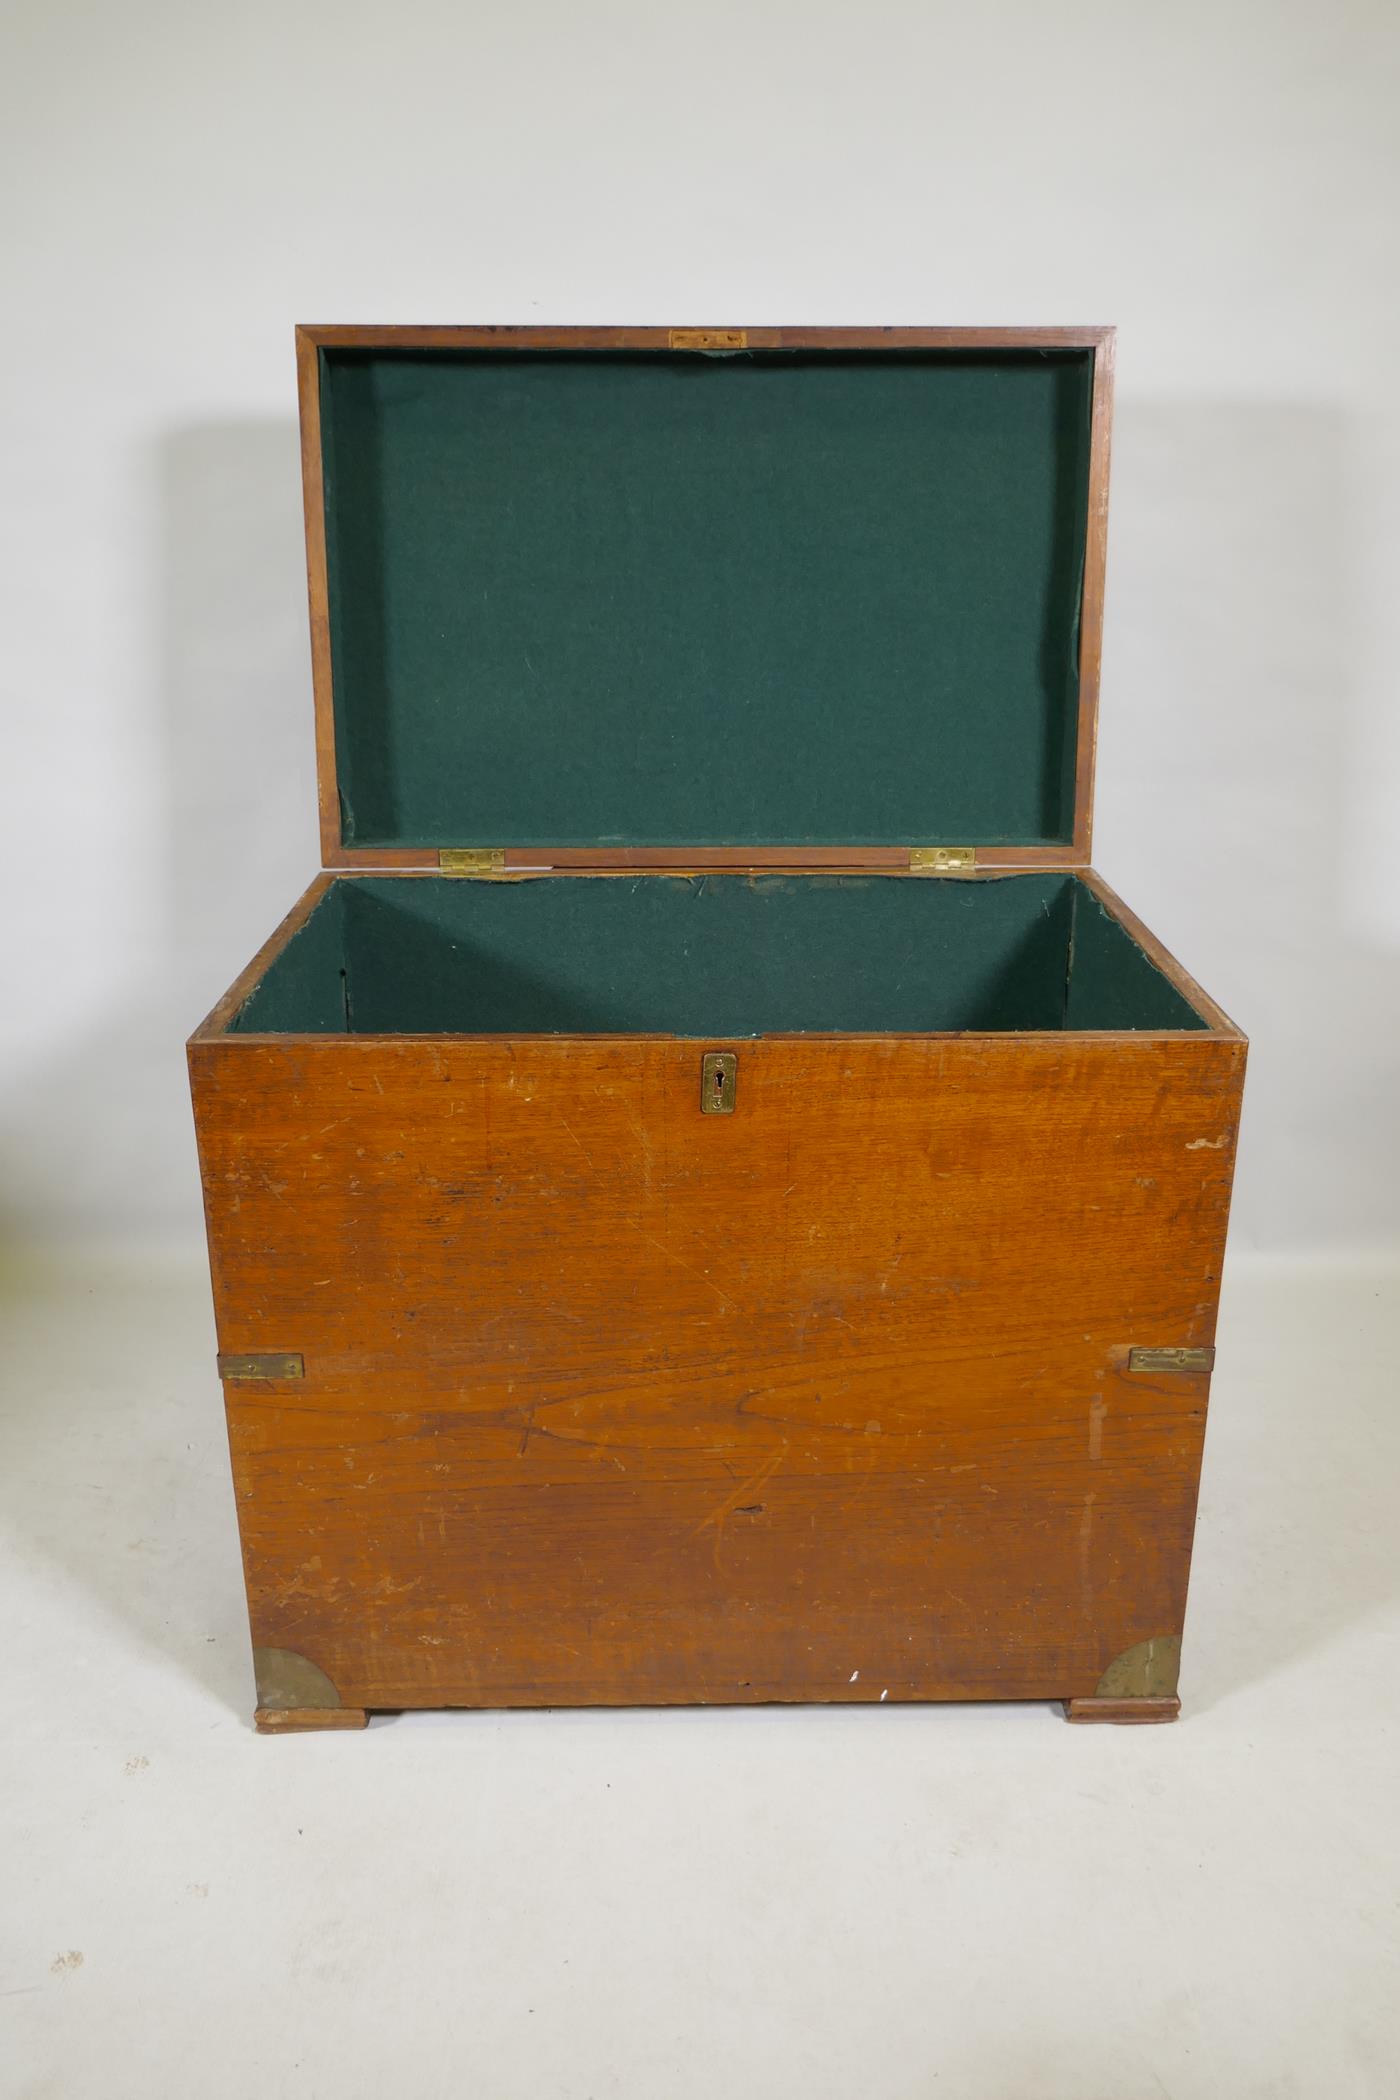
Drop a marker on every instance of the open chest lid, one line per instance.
(705, 598)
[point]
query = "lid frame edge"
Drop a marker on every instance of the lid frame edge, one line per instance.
(313, 338)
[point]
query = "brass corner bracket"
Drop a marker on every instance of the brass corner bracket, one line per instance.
(295, 1696)
(1138, 1685)
(1147, 1670)
(286, 1679)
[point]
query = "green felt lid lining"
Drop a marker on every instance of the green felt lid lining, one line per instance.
(628, 598)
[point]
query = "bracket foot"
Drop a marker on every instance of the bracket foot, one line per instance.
(1139, 1710)
(299, 1720)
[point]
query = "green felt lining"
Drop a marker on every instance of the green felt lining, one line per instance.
(714, 956)
(771, 599)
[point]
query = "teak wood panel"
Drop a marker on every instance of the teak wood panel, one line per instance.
(311, 340)
(606, 1401)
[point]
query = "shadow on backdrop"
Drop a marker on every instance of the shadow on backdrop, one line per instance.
(98, 1142)
(1230, 756)
(1224, 792)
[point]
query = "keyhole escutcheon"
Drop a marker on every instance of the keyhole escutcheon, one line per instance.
(719, 1071)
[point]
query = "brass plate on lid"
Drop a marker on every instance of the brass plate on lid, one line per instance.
(709, 339)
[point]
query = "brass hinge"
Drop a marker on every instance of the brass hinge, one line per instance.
(1171, 1359)
(472, 860)
(278, 1365)
(941, 860)
(709, 338)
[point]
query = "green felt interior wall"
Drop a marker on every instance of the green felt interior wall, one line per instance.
(767, 599)
(1112, 984)
(716, 956)
(307, 989)
(708, 957)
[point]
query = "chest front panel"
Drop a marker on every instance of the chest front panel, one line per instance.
(609, 1399)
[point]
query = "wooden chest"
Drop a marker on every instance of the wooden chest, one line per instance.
(710, 1198)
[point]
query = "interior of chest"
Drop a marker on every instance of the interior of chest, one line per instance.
(712, 956)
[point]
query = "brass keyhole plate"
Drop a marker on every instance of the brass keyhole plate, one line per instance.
(719, 1076)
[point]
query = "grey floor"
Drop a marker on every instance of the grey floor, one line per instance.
(890, 1902)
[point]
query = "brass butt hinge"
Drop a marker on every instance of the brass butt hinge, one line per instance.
(472, 860)
(1171, 1360)
(709, 339)
(941, 860)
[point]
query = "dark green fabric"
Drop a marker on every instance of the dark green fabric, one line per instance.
(705, 957)
(720, 956)
(307, 989)
(767, 599)
(1112, 984)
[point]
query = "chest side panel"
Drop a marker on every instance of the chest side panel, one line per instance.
(609, 1400)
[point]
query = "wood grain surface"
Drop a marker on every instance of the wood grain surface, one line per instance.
(609, 1401)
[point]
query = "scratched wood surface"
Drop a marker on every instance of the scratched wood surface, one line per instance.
(607, 1401)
